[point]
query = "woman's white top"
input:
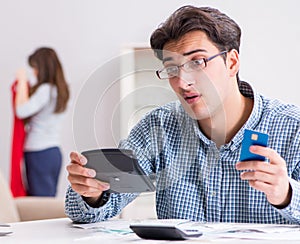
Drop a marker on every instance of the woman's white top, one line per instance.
(44, 127)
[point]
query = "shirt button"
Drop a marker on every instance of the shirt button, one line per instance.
(213, 193)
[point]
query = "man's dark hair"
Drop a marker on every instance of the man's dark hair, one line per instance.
(219, 28)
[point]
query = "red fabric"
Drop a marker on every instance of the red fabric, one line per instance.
(18, 138)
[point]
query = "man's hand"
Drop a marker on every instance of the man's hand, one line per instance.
(270, 178)
(82, 179)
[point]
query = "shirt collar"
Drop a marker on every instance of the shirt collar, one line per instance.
(255, 117)
(247, 90)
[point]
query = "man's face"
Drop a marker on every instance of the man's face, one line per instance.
(204, 92)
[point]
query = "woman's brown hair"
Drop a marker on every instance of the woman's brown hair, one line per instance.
(49, 70)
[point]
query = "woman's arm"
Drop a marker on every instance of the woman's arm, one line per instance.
(22, 95)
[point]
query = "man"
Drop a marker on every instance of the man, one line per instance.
(193, 146)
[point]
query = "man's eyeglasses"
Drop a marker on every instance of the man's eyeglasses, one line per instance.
(190, 66)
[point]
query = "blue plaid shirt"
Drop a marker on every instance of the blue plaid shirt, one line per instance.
(196, 180)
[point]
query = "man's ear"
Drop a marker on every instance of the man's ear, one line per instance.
(233, 62)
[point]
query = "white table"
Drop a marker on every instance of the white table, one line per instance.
(62, 231)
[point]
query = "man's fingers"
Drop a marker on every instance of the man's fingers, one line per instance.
(259, 176)
(88, 182)
(75, 169)
(87, 191)
(78, 158)
(256, 165)
(269, 153)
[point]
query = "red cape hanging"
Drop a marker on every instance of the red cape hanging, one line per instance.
(18, 138)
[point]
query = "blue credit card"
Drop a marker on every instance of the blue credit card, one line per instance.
(252, 137)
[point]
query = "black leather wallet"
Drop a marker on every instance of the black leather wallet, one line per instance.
(119, 168)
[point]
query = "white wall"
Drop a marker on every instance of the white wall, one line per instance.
(89, 34)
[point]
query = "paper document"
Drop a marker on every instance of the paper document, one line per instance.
(249, 231)
(109, 226)
(211, 231)
(5, 229)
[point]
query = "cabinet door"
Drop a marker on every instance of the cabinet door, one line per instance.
(140, 89)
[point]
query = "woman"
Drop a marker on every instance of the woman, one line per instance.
(42, 106)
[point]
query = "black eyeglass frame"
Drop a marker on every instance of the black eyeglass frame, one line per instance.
(205, 60)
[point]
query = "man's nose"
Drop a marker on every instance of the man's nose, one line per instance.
(185, 79)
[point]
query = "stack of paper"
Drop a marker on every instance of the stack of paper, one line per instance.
(5, 229)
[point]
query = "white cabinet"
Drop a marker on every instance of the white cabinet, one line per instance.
(140, 89)
(140, 92)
